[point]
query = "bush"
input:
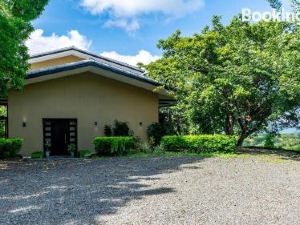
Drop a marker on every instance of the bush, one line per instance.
(269, 142)
(113, 146)
(155, 132)
(71, 148)
(120, 129)
(84, 153)
(37, 155)
(144, 147)
(10, 147)
(201, 143)
(2, 129)
(107, 131)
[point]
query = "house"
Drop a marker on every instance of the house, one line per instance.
(71, 94)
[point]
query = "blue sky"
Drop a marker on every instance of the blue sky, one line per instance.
(119, 28)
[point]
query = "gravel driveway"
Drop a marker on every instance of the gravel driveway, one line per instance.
(244, 190)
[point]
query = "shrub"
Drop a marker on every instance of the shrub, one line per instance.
(37, 155)
(155, 132)
(84, 153)
(107, 131)
(71, 148)
(144, 147)
(269, 142)
(120, 129)
(201, 143)
(10, 147)
(113, 146)
(2, 129)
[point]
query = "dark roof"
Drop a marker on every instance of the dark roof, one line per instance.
(133, 74)
(114, 63)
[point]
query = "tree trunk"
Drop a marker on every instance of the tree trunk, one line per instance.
(244, 132)
(229, 125)
(241, 140)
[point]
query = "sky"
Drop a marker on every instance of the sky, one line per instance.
(127, 30)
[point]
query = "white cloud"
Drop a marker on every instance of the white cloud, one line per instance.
(128, 25)
(143, 56)
(38, 42)
(125, 9)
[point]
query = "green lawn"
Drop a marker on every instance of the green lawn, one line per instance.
(136, 154)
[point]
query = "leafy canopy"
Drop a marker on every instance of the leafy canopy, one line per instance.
(15, 26)
(233, 79)
(277, 4)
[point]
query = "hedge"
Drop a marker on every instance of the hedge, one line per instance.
(84, 153)
(200, 143)
(37, 155)
(113, 146)
(10, 147)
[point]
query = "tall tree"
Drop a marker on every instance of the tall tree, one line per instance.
(15, 27)
(233, 79)
(277, 4)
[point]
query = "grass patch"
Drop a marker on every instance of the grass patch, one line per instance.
(135, 154)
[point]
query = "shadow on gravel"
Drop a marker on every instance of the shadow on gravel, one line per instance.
(77, 191)
(282, 154)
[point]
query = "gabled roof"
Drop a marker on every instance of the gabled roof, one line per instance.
(85, 55)
(89, 64)
(96, 64)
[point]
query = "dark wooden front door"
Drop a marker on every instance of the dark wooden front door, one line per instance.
(59, 134)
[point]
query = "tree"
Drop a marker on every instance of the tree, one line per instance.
(234, 79)
(15, 26)
(277, 4)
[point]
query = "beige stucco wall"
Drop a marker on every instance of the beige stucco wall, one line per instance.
(55, 62)
(87, 97)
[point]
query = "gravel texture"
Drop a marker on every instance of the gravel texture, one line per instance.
(245, 190)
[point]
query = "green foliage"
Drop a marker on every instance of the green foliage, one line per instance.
(2, 129)
(162, 153)
(282, 141)
(113, 146)
(72, 148)
(155, 132)
(276, 4)
(269, 142)
(201, 143)
(144, 147)
(84, 153)
(120, 129)
(3, 113)
(10, 147)
(15, 26)
(235, 79)
(107, 131)
(37, 155)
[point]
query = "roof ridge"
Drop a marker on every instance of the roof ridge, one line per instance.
(73, 48)
(89, 62)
